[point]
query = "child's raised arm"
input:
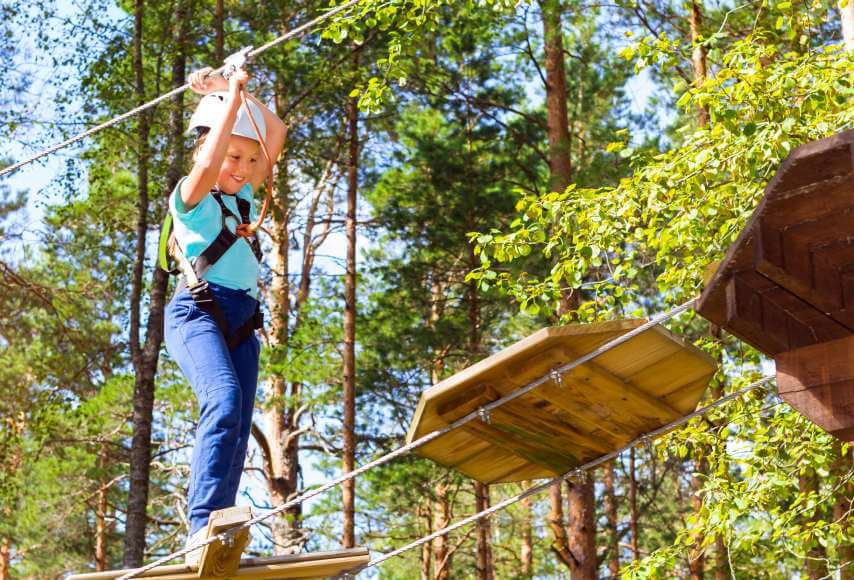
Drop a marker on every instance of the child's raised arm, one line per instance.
(275, 141)
(209, 159)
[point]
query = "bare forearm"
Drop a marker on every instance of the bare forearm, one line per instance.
(275, 129)
(209, 159)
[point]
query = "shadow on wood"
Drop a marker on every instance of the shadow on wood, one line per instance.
(597, 407)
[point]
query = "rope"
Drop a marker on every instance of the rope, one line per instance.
(573, 472)
(550, 376)
(296, 32)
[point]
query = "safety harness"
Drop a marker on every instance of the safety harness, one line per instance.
(194, 271)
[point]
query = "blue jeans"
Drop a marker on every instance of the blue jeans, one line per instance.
(224, 383)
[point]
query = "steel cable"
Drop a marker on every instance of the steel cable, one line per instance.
(552, 375)
(298, 31)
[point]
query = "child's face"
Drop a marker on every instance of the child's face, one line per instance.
(240, 164)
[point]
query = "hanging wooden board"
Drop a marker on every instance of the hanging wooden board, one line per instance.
(786, 286)
(818, 381)
(303, 566)
(788, 280)
(596, 408)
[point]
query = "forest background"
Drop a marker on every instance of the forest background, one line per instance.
(495, 170)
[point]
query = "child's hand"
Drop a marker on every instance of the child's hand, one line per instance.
(203, 84)
(237, 81)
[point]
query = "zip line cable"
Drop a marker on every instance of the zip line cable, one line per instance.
(561, 478)
(252, 52)
(553, 375)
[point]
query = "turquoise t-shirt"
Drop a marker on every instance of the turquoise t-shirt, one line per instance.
(196, 229)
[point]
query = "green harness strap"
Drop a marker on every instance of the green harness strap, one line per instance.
(163, 244)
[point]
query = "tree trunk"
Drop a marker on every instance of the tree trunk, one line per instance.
(633, 506)
(219, 33)
(560, 164)
(484, 569)
(697, 557)
(441, 509)
(484, 565)
(721, 569)
(846, 14)
(349, 487)
(573, 547)
(815, 565)
(101, 513)
(426, 549)
(842, 514)
(560, 541)
(613, 521)
(280, 452)
(5, 558)
(527, 553)
(698, 57)
(581, 524)
(143, 400)
(441, 548)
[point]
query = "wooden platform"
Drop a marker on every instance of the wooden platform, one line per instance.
(788, 280)
(598, 407)
(787, 283)
(302, 566)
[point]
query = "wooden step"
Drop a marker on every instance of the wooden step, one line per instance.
(303, 566)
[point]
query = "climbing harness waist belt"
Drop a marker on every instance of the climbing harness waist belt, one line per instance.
(197, 286)
(205, 300)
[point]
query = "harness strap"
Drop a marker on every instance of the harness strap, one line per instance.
(243, 208)
(193, 272)
(223, 241)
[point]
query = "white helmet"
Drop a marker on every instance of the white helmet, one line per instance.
(212, 107)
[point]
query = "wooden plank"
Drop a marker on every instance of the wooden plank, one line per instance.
(671, 375)
(552, 428)
(520, 428)
(496, 369)
(816, 161)
(799, 239)
(829, 263)
(814, 201)
(217, 559)
(818, 381)
(587, 415)
(807, 210)
(494, 463)
(752, 317)
(773, 319)
(621, 395)
(521, 443)
(311, 565)
(547, 426)
(825, 319)
(831, 407)
(820, 364)
(455, 449)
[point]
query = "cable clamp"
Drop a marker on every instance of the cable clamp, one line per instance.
(556, 377)
(484, 415)
(227, 539)
(236, 61)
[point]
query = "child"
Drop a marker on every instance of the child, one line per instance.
(210, 326)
